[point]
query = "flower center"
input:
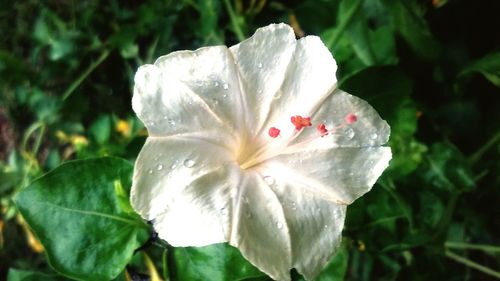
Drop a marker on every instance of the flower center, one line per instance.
(252, 155)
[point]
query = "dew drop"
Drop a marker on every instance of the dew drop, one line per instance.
(159, 167)
(294, 206)
(156, 158)
(216, 84)
(150, 171)
(171, 122)
(279, 225)
(325, 226)
(225, 86)
(278, 95)
(373, 136)
(165, 117)
(260, 92)
(269, 180)
(215, 101)
(259, 65)
(188, 163)
(224, 96)
(349, 133)
(174, 165)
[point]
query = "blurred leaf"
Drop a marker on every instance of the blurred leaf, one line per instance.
(100, 130)
(212, 263)
(208, 21)
(489, 66)
(27, 275)
(75, 213)
(447, 169)
(408, 20)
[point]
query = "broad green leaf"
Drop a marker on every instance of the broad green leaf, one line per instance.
(212, 263)
(79, 218)
(489, 66)
(27, 275)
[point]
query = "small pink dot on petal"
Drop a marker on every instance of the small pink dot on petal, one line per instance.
(274, 132)
(351, 118)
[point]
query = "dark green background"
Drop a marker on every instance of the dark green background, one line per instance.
(431, 69)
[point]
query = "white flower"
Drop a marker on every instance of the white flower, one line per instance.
(232, 157)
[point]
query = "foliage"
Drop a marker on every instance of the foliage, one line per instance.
(430, 68)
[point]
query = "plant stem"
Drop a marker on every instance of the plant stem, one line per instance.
(472, 264)
(234, 21)
(482, 247)
(343, 25)
(476, 156)
(84, 75)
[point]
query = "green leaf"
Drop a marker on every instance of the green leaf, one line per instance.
(27, 275)
(101, 129)
(408, 20)
(75, 212)
(212, 263)
(447, 169)
(488, 66)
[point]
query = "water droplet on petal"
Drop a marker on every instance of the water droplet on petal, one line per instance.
(269, 180)
(278, 94)
(216, 84)
(171, 122)
(259, 65)
(294, 206)
(174, 165)
(279, 225)
(215, 101)
(159, 167)
(150, 171)
(188, 163)
(373, 136)
(225, 86)
(165, 117)
(261, 91)
(224, 96)
(199, 83)
(349, 133)
(325, 226)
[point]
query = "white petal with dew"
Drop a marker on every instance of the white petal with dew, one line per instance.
(259, 228)
(340, 174)
(315, 224)
(262, 62)
(180, 184)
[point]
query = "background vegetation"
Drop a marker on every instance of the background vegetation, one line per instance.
(431, 68)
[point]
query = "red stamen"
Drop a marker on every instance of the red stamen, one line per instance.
(274, 132)
(351, 118)
(322, 129)
(300, 122)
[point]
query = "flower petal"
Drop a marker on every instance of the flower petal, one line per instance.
(259, 227)
(310, 78)
(262, 62)
(315, 225)
(188, 91)
(368, 129)
(340, 175)
(181, 185)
